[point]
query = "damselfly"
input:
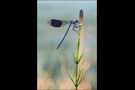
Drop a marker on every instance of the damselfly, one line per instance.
(60, 23)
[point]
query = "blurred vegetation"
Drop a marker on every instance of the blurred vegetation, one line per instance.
(51, 72)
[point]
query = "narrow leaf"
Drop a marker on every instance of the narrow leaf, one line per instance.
(69, 76)
(74, 57)
(79, 75)
(80, 58)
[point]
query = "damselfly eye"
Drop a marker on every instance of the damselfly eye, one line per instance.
(77, 21)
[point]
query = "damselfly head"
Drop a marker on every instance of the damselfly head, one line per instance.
(77, 21)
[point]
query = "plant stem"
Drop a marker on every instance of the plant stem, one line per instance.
(80, 26)
(76, 75)
(78, 54)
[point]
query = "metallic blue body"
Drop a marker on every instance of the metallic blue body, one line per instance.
(64, 36)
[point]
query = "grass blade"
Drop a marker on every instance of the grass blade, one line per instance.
(81, 77)
(70, 76)
(80, 58)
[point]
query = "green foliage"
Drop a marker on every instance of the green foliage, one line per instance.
(81, 77)
(75, 58)
(80, 58)
(79, 73)
(70, 76)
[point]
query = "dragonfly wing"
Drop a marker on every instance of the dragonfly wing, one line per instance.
(57, 23)
(65, 22)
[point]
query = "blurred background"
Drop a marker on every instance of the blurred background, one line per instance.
(51, 73)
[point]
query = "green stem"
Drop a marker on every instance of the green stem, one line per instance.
(76, 73)
(80, 26)
(78, 54)
(76, 76)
